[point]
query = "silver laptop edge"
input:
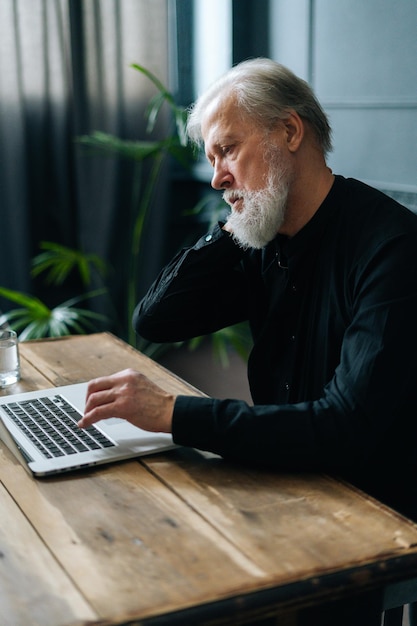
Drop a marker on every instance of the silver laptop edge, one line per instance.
(130, 441)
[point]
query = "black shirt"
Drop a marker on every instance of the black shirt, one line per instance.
(333, 371)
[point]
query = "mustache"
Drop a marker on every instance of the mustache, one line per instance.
(231, 196)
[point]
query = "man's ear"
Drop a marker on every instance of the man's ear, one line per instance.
(294, 131)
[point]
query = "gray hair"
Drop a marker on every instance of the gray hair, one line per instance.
(265, 91)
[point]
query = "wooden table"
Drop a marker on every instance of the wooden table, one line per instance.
(181, 537)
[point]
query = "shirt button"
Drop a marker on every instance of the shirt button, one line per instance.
(292, 337)
(208, 238)
(293, 288)
(287, 386)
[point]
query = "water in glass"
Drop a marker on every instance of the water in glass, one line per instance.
(9, 359)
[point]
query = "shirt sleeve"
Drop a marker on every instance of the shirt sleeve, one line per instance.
(200, 291)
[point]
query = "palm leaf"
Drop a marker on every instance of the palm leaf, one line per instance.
(156, 102)
(59, 261)
(36, 320)
(100, 142)
(155, 80)
(30, 303)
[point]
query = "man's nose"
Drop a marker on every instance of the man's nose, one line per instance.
(221, 179)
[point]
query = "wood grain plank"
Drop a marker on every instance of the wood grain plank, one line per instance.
(290, 525)
(130, 543)
(34, 589)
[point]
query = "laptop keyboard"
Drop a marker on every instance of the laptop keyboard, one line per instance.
(51, 425)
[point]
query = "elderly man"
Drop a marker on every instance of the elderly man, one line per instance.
(325, 270)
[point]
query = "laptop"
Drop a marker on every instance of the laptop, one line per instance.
(40, 429)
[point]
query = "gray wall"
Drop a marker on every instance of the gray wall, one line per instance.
(360, 56)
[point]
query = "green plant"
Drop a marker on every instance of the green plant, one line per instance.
(58, 261)
(237, 336)
(34, 319)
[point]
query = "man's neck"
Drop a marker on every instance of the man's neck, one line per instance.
(305, 197)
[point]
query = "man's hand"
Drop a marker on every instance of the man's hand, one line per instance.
(131, 396)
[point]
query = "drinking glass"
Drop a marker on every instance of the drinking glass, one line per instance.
(9, 358)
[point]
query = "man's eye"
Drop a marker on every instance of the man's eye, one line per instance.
(226, 150)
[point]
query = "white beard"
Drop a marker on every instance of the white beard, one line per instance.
(263, 211)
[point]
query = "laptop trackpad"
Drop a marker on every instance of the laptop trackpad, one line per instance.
(122, 431)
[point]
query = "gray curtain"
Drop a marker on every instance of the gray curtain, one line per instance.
(65, 72)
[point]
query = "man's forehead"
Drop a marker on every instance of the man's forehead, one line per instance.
(219, 114)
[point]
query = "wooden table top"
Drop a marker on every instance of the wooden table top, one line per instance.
(178, 536)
